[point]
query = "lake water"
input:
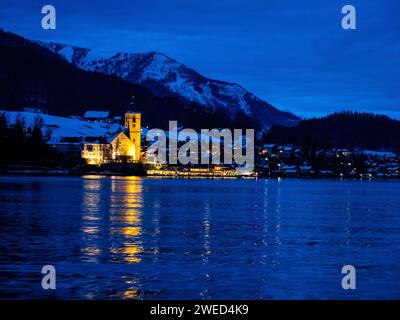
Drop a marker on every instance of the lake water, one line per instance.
(148, 238)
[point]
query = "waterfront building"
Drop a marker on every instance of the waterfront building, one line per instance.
(123, 146)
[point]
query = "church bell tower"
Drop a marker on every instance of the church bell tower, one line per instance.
(133, 124)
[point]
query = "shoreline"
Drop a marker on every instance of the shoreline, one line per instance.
(66, 173)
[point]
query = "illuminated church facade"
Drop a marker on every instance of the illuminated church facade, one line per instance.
(124, 146)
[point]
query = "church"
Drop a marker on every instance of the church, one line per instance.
(123, 146)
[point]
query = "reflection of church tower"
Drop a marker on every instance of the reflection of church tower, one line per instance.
(132, 123)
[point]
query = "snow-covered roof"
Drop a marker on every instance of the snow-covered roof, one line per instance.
(288, 167)
(96, 114)
(115, 135)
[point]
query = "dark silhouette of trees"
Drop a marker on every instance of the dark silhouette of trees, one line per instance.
(347, 129)
(25, 145)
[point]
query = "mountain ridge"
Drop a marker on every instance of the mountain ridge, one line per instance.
(165, 76)
(35, 77)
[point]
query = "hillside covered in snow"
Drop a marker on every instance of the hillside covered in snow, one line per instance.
(58, 127)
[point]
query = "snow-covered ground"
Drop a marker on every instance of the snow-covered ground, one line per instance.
(59, 127)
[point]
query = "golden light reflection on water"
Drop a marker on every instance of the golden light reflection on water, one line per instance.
(130, 253)
(130, 231)
(91, 251)
(130, 294)
(132, 291)
(117, 212)
(125, 213)
(90, 229)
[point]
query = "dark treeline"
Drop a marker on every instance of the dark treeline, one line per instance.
(25, 145)
(347, 129)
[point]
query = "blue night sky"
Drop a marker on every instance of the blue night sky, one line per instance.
(293, 54)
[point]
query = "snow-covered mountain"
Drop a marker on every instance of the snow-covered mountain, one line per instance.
(164, 76)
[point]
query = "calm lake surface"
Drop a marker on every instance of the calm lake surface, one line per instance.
(147, 238)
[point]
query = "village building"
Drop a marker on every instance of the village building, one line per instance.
(123, 146)
(69, 145)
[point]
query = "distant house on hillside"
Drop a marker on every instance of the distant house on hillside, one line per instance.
(102, 116)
